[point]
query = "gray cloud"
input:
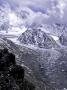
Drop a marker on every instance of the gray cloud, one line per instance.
(55, 9)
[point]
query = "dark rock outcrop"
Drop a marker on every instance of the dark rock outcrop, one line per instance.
(12, 75)
(63, 39)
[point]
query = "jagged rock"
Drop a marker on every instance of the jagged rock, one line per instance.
(7, 59)
(17, 72)
(38, 38)
(63, 39)
(12, 75)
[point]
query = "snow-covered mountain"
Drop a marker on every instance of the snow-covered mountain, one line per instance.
(38, 38)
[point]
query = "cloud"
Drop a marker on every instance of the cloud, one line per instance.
(45, 11)
(54, 8)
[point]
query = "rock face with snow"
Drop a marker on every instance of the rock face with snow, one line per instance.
(37, 38)
(63, 40)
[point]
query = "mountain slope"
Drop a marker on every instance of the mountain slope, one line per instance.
(46, 68)
(38, 38)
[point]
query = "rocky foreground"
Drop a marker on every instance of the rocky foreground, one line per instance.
(11, 74)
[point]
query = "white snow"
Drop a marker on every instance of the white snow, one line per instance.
(13, 34)
(14, 20)
(15, 31)
(64, 89)
(55, 37)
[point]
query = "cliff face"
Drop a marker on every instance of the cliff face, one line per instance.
(63, 39)
(11, 74)
(38, 38)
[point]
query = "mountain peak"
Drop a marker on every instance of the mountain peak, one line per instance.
(38, 38)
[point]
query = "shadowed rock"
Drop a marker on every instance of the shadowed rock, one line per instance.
(12, 75)
(17, 72)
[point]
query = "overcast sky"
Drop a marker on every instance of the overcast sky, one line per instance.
(55, 10)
